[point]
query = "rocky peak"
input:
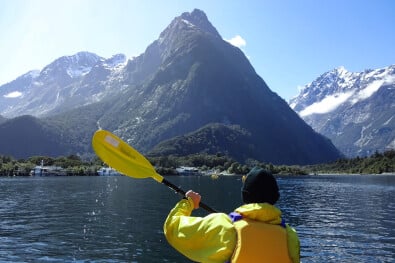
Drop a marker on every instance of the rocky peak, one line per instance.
(199, 19)
(194, 22)
(118, 60)
(74, 66)
(333, 82)
(353, 109)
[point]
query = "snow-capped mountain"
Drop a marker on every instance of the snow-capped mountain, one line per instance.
(66, 83)
(356, 110)
(189, 83)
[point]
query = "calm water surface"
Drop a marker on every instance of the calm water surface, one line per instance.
(119, 219)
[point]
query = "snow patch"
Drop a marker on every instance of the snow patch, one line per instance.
(13, 95)
(78, 72)
(34, 73)
(389, 79)
(342, 71)
(391, 145)
(364, 139)
(328, 104)
(116, 62)
(187, 23)
(37, 83)
(388, 121)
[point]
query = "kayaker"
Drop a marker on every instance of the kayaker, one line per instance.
(254, 232)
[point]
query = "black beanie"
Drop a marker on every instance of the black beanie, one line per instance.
(260, 186)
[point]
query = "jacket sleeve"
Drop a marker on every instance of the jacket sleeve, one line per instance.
(293, 244)
(207, 239)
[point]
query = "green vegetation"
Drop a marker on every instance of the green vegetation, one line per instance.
(72, 164)
(376, 164)
(167, 164)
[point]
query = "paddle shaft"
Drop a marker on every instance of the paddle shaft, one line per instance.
(128, 161)
(182, 193)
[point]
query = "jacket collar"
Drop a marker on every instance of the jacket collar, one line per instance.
(263, 212)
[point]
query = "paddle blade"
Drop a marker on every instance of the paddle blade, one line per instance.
(122, 157)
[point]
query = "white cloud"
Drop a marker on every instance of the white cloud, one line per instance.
(12, 95)
(326, 105)
(237, 41)
(370, 89)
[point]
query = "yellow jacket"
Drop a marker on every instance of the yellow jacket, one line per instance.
(213, 238)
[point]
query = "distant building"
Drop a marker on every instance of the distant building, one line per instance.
(48, 171)
(107, 171)
(186, 170)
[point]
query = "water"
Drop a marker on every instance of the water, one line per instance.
(119, 219)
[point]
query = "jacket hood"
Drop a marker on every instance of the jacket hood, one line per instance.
(263, 212)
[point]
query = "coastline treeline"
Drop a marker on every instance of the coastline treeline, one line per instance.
(73, 165)
(377, 163)
(166, 165)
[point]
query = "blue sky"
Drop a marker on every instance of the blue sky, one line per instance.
(289, 43)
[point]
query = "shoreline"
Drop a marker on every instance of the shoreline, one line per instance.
(355, 174)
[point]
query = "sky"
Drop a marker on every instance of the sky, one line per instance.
(288, 42)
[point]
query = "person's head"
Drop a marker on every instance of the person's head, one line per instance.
(260, 186)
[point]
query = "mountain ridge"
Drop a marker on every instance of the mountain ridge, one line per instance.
(30, 135)
(354, 109)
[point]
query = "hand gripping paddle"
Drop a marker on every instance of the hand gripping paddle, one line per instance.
(126, 160)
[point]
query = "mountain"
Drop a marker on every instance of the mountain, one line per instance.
(202, 79)
(66, 83)
(27, 136)
(356, 110)
(189, 83)
(210, 139)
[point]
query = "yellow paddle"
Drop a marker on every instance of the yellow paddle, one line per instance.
(126, 160)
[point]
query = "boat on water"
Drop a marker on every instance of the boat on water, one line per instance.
(187, 170)
(108, 171)
(41, 170)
